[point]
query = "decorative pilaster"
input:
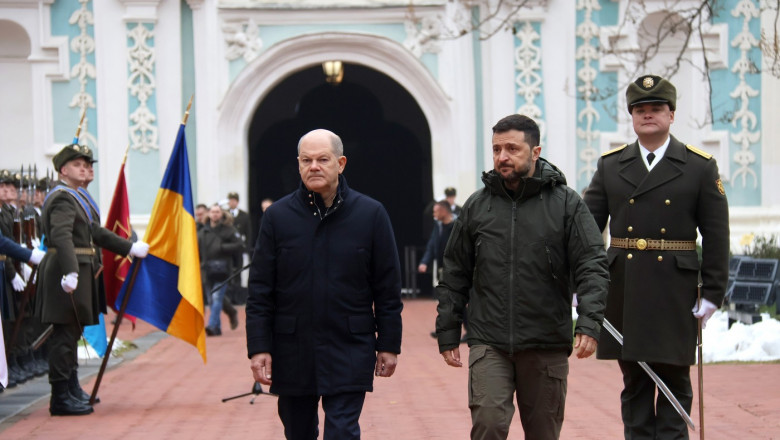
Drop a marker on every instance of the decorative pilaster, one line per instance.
(141, 85)
(83, 45)
(587, 56)
(744, 118)
(528, 64)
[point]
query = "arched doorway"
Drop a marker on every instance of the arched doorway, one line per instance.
(387, 142)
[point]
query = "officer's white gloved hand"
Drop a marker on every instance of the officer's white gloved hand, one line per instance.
(18, 283)
(139, 249)
(26, 271)
(36, 257)
(70, 282)
(36, 242)
(706, 311)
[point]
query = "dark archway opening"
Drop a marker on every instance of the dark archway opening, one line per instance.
(386, 138)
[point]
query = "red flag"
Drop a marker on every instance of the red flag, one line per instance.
(115, 267)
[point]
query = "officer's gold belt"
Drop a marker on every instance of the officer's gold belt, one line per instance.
(649, 244)
(2, 257)
(78, 251)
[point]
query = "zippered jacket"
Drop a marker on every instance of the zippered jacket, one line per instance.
(516, 260)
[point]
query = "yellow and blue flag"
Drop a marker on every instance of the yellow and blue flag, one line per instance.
(166, 290)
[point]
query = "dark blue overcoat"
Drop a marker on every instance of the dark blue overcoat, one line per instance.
(324, 292)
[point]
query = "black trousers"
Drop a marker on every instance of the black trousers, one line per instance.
(63, 354)
(650, 415)
(342, 412)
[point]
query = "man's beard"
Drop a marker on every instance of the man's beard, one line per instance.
(516, 175)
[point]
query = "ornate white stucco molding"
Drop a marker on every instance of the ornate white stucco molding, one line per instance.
(142, 84)
(588, 116)
(82, 45)
(743, 117)
(242, 39)
(528, 63)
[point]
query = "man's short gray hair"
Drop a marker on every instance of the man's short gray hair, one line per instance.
(335, 142)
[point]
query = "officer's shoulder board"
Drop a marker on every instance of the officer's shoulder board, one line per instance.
(614, 150)
(699, 152)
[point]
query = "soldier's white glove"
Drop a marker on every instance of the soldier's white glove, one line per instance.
(36, 257)
(706, 311)
(18, 283)
(70, 282)
(139, 249)
(26, 271)
(36, 242)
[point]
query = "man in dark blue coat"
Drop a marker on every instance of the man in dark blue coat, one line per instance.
(324, 306)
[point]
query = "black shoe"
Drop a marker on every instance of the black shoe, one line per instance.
(63, 404)
(233, 319)
(15, 373)
(213, 331)
(75, 390)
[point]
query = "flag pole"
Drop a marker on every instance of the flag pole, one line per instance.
(78, 129)
(119, 316)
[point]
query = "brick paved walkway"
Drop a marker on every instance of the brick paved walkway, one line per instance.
(167, 393)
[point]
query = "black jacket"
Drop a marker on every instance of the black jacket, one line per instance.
(220, 242)
(523, 255)
(324, 292)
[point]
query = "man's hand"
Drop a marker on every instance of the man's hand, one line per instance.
(18, 283)
(70, 282)
(706, 311)
(452, 357)
(36, 257)
(422, 268)
(385, 364)
(261, 368)
(139, 249)
(584, 345)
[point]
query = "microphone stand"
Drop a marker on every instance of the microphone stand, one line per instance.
(227, 280)
(257, 390)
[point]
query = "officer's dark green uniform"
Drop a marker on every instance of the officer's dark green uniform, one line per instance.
(70, 236)
(654, 268)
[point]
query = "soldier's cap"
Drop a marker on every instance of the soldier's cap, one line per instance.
(233, 195)
(6, 176)
(69, 153)
(43, 184)
(450, 192)
(651, 88)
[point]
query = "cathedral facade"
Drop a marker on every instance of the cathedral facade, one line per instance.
(420, 85)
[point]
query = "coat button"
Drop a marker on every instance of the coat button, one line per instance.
(630, 228)
(668, 202)
(660, 258)
(663, 230)
(630, 256)
(631, 201)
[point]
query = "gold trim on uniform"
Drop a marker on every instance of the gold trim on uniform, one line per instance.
(699, 152)
(614, 150)
(721, 189)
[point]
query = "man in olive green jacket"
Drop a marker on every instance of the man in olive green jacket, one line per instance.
(523, 242)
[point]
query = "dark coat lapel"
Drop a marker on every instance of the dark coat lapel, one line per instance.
(631, 167)
(668, 169)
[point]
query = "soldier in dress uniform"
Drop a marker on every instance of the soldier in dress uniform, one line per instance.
(68, 296)
(656, 192)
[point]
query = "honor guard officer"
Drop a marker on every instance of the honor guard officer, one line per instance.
(656, 192)
(67, 294)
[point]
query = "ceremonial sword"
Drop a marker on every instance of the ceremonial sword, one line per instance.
(660, 383)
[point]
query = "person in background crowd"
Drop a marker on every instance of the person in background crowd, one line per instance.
(218, 243)
(449, 194)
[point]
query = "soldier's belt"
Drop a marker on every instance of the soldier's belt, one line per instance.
(78, 251)
(649, 244)
(2, 257)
